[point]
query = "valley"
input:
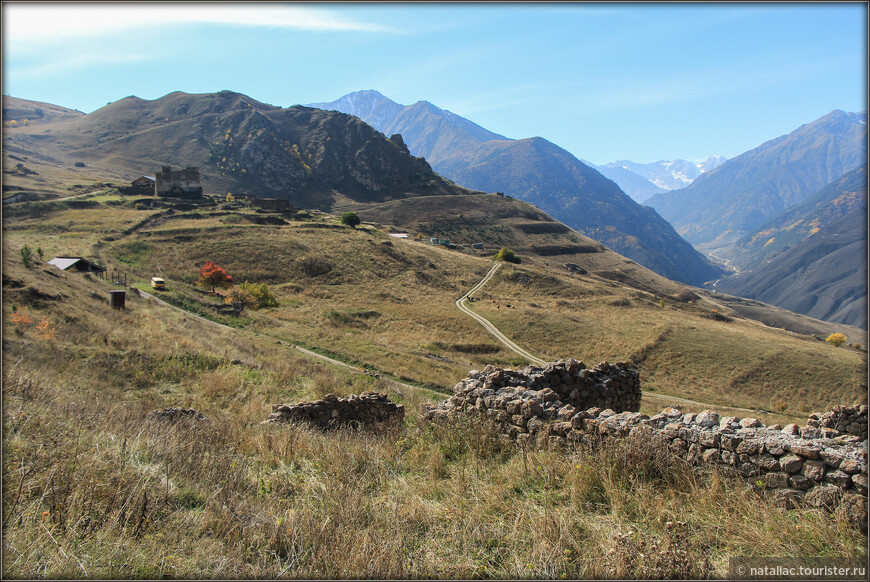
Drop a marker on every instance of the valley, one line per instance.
(360, 310)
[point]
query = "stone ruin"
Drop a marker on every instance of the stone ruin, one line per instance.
(175, 413)
(369, 410)
(565, 405)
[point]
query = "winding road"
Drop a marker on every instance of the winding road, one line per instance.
(460, 303)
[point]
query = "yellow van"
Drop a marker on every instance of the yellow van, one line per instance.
(158, 283)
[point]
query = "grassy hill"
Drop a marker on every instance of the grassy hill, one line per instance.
(126, 496)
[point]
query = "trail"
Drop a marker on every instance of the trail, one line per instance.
(460, 303)
(300, 349)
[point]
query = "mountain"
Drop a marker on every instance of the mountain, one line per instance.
(540, 172)
(726, 203)
(824, 276)
(669, 175)
(802, 221)
(34, 112)
(309, 156)
(636, 186)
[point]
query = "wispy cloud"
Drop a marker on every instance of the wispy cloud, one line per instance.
(26, 23)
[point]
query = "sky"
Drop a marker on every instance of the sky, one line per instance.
(607, 81)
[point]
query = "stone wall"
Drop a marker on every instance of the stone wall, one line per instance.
(513, 398)
(368, 410)
(547, 408)
(843, 419)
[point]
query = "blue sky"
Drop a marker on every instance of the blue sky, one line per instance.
(605, 81)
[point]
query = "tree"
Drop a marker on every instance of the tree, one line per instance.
(230, 197)
(506, 254)
(213, 276)
(26, 256)
(350, 219)
(252, 296)
(837, 339)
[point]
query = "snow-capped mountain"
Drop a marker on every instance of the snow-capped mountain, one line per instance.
(670, 175)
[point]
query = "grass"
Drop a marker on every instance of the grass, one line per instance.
(92, 488)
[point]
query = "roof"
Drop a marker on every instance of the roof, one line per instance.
(65, 263)
(399, 234)
(152, 178)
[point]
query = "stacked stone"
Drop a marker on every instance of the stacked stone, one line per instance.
(842, 420)
(525, 403)
(368, 410)
(819, 465)
(173, 414)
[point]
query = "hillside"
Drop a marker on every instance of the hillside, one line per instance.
(823, 275)
(726, 203)
(539, 172)
(795, 225)
(34, 112)
(127, 494)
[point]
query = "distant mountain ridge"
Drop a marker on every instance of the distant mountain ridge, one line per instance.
(537, 171)
(670, 175)
(728, 202)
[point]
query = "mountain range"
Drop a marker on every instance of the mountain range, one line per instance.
(539, 172)
(728, 202)
(641, 181)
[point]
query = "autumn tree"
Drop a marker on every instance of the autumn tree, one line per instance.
(252, 296)
(506, 254)
(213, 276)
(837, 339)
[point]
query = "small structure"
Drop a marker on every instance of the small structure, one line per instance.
(76, 264)
(399, 234)
(144, 185)
(118, 298)
(440, 241)
(477, 246)
(178, 183)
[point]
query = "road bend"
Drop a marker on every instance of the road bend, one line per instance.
(460, 303)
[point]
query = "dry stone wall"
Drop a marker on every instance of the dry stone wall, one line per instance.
(553, 408)
(368, 410)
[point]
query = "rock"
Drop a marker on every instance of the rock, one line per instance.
(860, 482)
(804, 451)
(823, 496)
(707, 418)
(791, 463)
(791, 430)
(788, 498)
(748, 447)
(750, 422)
(814, 470)
(853, 508)
(800, 482)
(838, 478)
(776, 480)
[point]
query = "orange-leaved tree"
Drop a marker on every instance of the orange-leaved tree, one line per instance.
(213, 276)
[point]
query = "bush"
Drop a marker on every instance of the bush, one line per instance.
(506, 254)
(252, 295)
(26, 256)
(350, 219)
(837, 339)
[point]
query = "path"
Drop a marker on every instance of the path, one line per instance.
(335, 362)
(460, 303)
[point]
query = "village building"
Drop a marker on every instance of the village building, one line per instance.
(76, 264)
(178, 183)
(144, 185)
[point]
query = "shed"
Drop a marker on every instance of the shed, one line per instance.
(76, 264)
(144, 182)
(399, 234)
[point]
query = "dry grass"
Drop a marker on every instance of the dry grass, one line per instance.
(94, 489)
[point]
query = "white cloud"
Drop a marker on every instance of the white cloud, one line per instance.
(26, 23)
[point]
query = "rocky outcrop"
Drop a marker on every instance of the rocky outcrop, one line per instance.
(368, 410)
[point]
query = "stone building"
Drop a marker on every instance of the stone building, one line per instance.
(178, 183)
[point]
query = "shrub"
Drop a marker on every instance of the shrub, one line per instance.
(837, 339)
(350, 219)
(506, 254)
(252, 295)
